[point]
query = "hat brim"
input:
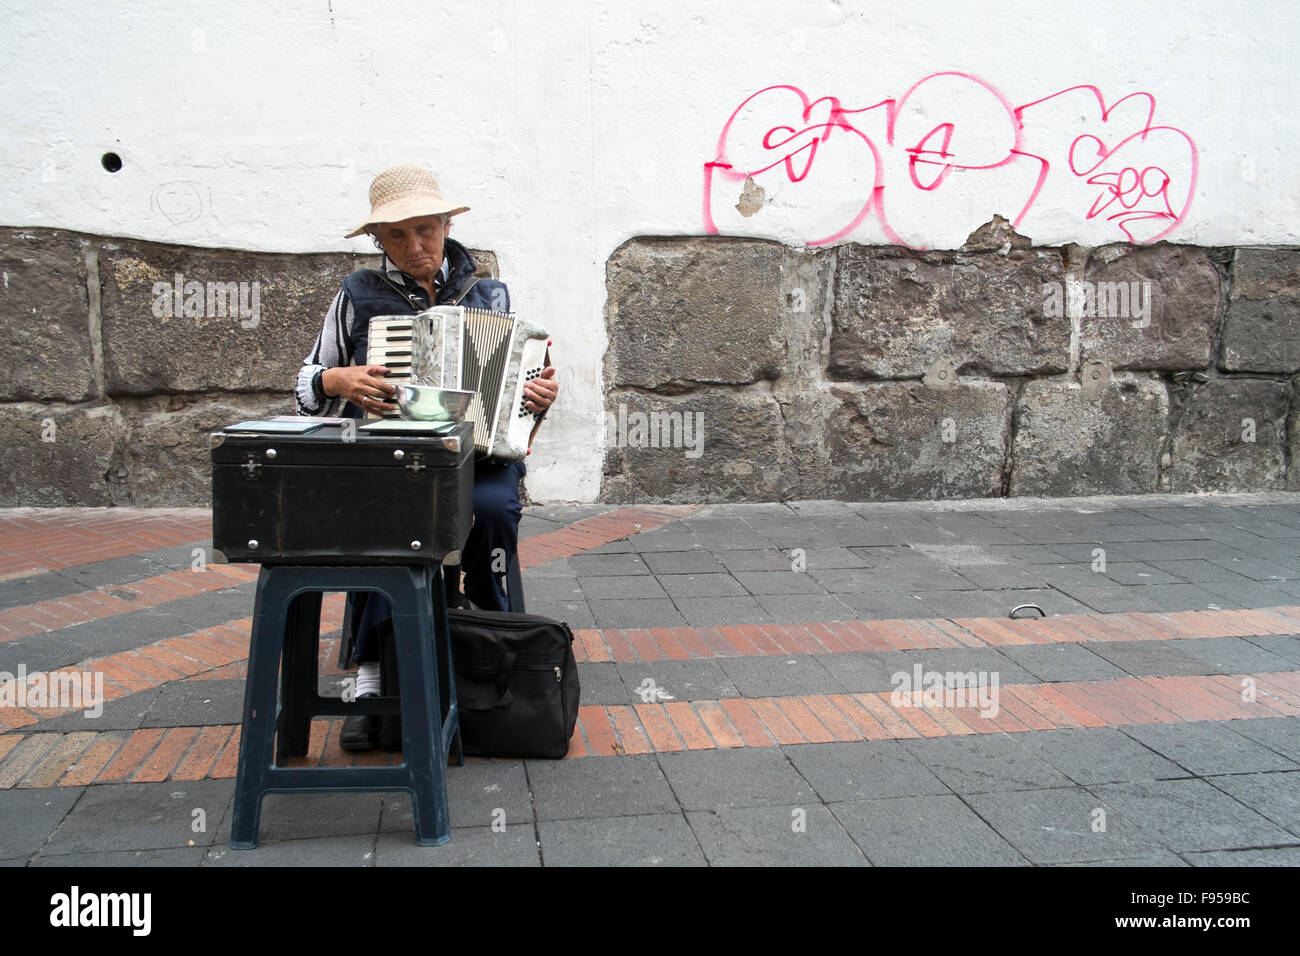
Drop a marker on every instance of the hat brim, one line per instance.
(406, 209)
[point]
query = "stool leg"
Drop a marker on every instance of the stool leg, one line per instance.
(422, 742)
(256, 744)
(299, 675)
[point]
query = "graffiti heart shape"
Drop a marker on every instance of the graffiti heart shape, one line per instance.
(780, 136)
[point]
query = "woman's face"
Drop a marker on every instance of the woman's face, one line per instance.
(415, 245)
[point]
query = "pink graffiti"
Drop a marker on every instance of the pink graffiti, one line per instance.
(839, 165)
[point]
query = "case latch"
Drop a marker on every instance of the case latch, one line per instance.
(252, 467)
(416, 465)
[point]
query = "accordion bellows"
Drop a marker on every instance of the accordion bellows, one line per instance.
(492, 354)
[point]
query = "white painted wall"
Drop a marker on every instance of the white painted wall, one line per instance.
(570, 127)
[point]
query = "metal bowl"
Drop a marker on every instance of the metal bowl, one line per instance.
(425, 403)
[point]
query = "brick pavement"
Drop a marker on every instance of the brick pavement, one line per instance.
(708, 633)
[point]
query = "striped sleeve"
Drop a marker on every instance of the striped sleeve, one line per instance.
(333, 348)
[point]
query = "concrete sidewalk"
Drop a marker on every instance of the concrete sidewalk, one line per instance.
(741, 668)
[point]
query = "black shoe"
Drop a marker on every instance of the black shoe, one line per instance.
(362, 731)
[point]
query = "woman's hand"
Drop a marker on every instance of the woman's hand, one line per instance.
(541, 391)
(362, 385)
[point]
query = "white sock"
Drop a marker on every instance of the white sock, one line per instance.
(368, 678)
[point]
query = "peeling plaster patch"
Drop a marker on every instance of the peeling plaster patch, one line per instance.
(752, 198)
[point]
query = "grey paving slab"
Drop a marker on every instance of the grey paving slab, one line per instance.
(761, 559)
(350, 851)
(887, 605)
(555, 568)
(306, 816)
(1155, 597)
(109, 635)
(854, 532)
(203, 703)
(1197, 571)
(806, 537)
(591, 565)
(1283, 645)
(553, 589)
(638, 612)
(828, 558)
(924, 831)
(1149, 658)
(144, 816)
(1279, 734)
(1232, 655)
(1002, 576)
(951, 661)
(701, 585)
(125, 713)
(680, 679)
(28, 817)
(864, 770)
(599, 787)
(39, 652)
(513, 845)
(574, 613)
(890, 579)
(780, 676)
(1276, 856)
(1178, 550)
(711, 611)
(719, 541)
(1149, 858)
(1061, 826)
(667, 541)
(985, 763)
(652, 840)
(741, 777)
(774, 836)
(1099, 755)
(1260, 570)
(1254, 593)
(1062, 662)
(708, 522)
(621, 546)
(682, 562)
(178, 856)
(784, 581)
(954, 604)
(215, 607)
(620, 587)
(1029, 553)
(797, 608)
(1274, 796)
(43, 586)
(601, 683)
(1189, 815)
(857, 673)
(478, 794)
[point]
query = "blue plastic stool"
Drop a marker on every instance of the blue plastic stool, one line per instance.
(286, 630)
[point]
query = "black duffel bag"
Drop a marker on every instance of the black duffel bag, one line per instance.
(516, 682)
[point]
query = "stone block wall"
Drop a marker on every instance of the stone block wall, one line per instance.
(124, 356)
(743, 370)
(737, 369)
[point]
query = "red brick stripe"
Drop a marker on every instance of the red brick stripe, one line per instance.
(102, 602)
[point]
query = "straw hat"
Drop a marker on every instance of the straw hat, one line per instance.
(404, 192)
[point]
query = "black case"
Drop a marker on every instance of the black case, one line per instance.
(336, 497)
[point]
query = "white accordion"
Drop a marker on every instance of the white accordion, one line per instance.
(492, 354)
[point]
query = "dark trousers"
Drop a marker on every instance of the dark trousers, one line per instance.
(491, 545)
